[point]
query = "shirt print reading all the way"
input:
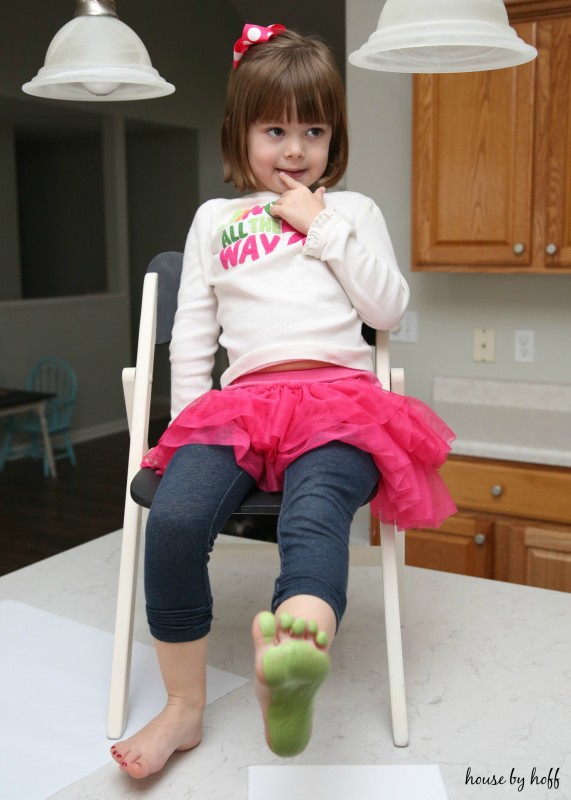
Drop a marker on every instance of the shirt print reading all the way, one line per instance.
(252, 234)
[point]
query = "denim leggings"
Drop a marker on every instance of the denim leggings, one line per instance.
(201, 488)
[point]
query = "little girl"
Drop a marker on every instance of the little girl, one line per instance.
(283, 278)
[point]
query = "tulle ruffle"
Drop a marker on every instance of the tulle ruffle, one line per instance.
(272, 418)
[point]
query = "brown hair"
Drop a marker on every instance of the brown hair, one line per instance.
(290, 73)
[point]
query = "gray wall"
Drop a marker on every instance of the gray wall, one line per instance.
(191, 46)
(185, 41)
(449, 306)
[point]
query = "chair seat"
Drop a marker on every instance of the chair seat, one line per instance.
(146, 482)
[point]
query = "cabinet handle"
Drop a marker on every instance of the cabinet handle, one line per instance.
(480, 539)
(496, 490)
(551, 249)
(519, 248)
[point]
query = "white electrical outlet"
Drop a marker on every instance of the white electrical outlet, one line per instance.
(407, 329)
(484, 345)
(524, 346)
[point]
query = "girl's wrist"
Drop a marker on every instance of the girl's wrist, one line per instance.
(315, 237)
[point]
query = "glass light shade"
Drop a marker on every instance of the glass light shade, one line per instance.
(97, 58)
(442, 36)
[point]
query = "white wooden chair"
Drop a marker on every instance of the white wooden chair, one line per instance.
(160, 291)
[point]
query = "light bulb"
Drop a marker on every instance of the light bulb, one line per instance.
(101, 89)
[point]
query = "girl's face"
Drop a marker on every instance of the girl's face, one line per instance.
(300, 149)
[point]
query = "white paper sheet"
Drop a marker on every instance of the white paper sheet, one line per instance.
(408, 782)
(54, 685)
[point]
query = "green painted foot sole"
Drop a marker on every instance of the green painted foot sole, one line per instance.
(294, 671)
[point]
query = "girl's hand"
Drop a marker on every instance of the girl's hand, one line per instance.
(298, 205)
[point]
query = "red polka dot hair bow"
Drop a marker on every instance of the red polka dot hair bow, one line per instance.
(254, 34)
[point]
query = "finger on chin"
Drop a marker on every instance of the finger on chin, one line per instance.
(288, 180)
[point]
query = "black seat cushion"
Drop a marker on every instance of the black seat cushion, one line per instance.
(146, 482)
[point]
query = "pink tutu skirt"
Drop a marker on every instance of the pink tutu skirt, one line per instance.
(272, 418)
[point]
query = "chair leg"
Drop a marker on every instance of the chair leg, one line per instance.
(69, 448)
(400, 540)
(123, 644)
(394, 638)
(375, 541)
(45, 462)
(6, 448)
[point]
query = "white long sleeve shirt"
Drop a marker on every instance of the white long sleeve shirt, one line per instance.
(271, 295)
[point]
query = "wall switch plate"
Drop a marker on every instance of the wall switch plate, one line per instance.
(407, 328)
(484, 345)
(524, 346)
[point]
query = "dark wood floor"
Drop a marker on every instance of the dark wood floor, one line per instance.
(40, 517)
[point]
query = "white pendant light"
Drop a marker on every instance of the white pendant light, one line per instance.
(443, 36)
(97, 57)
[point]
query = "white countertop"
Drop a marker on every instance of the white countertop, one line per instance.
(486, 666)
(537, 437)
(507, 420)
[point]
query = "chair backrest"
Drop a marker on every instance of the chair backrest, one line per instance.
(54, 375)
(168, 266)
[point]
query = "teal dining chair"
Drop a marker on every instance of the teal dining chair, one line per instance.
(56, 376)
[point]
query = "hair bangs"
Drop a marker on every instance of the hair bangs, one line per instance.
(295, 95)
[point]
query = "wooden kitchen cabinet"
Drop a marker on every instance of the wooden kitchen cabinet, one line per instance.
(463, 544)
(508, 488)
(533, 554)
(514, 524)
(492, 158)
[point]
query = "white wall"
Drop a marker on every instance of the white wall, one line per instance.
(449, 306)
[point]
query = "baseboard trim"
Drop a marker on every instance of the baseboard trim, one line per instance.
(92, 432)
(98, 431)
(115, 426)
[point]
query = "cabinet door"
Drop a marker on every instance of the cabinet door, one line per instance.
(534, 554)
(502, 487)
(463, 544)
(472, 167)
(554, 97)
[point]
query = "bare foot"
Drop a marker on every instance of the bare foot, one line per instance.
(177, 727)
(291, 665)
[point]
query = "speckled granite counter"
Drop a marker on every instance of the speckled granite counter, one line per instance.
(486, 664)
(507, 420)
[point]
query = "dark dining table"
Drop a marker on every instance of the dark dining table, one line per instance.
(18, 401)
